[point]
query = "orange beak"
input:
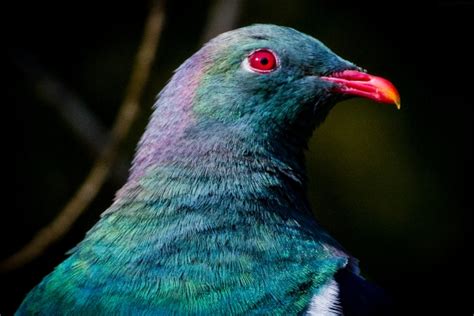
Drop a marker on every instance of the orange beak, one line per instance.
(352, 82)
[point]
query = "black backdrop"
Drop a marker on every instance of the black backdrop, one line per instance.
(391, 186)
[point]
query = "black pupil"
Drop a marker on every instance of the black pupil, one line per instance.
(264, 61)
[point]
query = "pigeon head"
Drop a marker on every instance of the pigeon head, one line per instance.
(274, 79)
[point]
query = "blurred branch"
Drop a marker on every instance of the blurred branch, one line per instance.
(70, 107)
(223, 17)
(127, 114)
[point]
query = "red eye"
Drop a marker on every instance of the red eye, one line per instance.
(262, 60)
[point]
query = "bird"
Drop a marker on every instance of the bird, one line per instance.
(214, 218)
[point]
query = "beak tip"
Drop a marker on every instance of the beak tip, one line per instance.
(398, 104)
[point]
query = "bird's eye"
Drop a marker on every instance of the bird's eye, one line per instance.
(262, 61)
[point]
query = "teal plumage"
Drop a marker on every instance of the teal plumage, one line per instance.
(214, 217)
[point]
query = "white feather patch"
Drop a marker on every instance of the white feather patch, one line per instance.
(326, 302)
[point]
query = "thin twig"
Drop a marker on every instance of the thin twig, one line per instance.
(98, 174)
(70, 107)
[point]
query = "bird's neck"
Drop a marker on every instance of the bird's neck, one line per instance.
(220, 171)
(211, 154)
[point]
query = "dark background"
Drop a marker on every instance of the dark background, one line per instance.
(391, 186)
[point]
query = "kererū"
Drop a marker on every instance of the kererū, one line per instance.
(214, 218)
